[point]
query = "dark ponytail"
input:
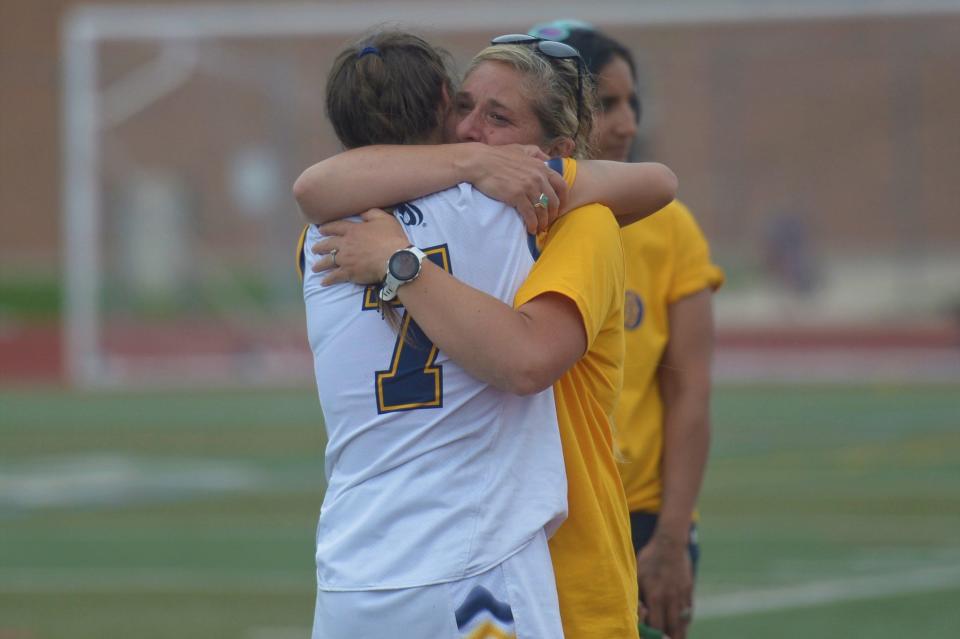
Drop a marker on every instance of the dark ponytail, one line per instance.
(388, 89)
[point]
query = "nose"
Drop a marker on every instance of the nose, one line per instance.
(467, 129)
(625, 121)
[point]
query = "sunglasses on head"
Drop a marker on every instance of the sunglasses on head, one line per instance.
(550, 49)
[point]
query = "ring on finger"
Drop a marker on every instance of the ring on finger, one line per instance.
(333, 254)
(541, 202)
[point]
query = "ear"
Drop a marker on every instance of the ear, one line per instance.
(445, 99)
(561, 148)
(441, 135)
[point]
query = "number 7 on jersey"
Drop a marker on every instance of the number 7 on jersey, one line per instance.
(412, 381)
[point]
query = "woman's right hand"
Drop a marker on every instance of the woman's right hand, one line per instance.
(517, 175)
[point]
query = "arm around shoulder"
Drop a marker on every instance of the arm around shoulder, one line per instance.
(631, 190)
(382, 176)
(376, 177)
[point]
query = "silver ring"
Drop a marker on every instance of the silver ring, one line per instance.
(542, 202)
(686, 614)
(333, 254)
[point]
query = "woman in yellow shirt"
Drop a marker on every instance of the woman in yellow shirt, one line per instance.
(662, 418)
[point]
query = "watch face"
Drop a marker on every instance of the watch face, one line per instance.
(404, 265)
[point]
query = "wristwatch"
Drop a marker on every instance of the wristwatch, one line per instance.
(402, 267)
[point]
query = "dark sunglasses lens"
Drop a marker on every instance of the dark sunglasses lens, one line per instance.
(558, 49)
(514, 38)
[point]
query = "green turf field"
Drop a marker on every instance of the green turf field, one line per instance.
(828, 512)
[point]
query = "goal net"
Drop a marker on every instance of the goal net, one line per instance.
(185, 126)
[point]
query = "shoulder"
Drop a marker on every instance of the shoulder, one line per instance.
(682, 219)
(678, 209)
(588, 232)
(672, 221)
(462, 217)
(594, 219)
(459, 209)
(671, 216)
(591, 228)
(462, 197)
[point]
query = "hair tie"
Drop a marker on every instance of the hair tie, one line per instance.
(367, 50)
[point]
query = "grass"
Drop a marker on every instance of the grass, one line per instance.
(192, 515)
(34, 297)
(834, 486)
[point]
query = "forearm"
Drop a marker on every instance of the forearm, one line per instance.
(686, 447)
(631, 190)
(492, 341)
(685, 386)
(521, 351)
(377, 176)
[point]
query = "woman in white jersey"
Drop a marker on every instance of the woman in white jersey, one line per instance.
(442, 489)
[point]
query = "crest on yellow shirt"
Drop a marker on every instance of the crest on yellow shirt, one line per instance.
(632, 310)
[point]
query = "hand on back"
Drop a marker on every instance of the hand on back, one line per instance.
(517, 175)
(358, 251)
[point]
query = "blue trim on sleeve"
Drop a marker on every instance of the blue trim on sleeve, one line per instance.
(302, 259)
(302, 252)
(532, 245)
(557, 165)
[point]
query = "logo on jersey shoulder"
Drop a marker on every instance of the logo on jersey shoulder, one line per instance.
(408, 214)
(632, 310)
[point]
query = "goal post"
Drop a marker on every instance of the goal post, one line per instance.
(184, 127)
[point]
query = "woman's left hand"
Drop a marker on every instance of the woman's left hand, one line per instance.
(358, 251)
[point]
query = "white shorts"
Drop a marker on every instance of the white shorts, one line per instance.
(516, 599)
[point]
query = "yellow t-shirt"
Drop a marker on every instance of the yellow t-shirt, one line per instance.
(593, 559)
(667, 258)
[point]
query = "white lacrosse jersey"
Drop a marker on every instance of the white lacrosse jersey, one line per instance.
(432, 476)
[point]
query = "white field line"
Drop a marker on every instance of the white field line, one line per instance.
(279, 632)
(111, 480)
(87, 581)
(819, 593)
(743, 603)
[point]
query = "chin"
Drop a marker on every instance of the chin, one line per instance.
(618, 153)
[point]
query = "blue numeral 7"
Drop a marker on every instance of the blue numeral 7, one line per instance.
(412, 381)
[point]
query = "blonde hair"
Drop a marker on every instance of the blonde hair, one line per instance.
(550, 87)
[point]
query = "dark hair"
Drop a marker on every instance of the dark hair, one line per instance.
(597, 50)
(387, 89)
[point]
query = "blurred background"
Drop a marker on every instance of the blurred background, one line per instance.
(161, 457)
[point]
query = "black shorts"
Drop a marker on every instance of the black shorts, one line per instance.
(641, 529)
